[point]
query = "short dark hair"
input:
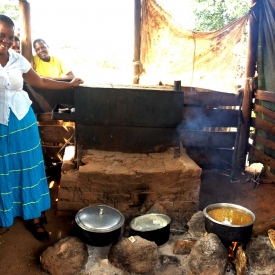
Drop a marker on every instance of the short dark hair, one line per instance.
(39, 40)
(6, 19)
(16, 39)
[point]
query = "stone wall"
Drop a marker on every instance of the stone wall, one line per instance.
(132, 183)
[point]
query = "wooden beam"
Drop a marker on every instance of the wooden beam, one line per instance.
(260, 109)
(210, 157)
(193, 138)
(198, 118)
(25, 30)
(264, 141)
(248, 91)
(137, 39)
(261, 124)
(55, 134)
(265, 95)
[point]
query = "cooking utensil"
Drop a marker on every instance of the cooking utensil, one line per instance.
(226, 230)
(99, 225)
(152, 227)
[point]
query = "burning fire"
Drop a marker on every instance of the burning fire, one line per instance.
(237, 258)
(231, 250)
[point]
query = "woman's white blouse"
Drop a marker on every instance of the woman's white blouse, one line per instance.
(12, 96)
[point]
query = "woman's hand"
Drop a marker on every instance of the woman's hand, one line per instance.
(76, 82)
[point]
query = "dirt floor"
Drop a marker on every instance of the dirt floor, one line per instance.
(19, 251)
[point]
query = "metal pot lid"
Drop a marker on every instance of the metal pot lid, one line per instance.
(150, 222)
(99, 218)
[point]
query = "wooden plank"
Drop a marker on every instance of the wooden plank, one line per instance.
(125, 139)
(265, 95)
(25, 30)
(46, 119)
(198, 118)
(191, 138)
(44, 116)
(260, 109)
(55, 134)
(45, 100)
(128, 107)
(262, 157)
(264, 125)
(264, 141)
(210, 157)
(137, 40)
(211, 98)
(56, 122)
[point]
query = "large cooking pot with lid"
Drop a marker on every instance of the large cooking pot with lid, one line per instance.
(231, 222)
(152, 227)
(99, 225)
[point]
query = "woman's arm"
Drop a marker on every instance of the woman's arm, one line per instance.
(31, 77)
(69, 76)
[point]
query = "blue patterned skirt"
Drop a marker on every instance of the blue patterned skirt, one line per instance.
(24, 188)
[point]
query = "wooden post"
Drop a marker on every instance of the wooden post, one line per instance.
(137, 21)
(25, 30)
(248, 90)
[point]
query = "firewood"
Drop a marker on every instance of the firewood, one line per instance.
(240, 261)
(271, 235)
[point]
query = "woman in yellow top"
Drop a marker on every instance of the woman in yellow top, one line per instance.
(49, 66)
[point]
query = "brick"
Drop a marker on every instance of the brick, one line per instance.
(67, 165)
(90, 196)
(66, 193)
(71, 206)
(144, 197)
(69, 179)
(134, 182)
(124, 198)
(180, 206)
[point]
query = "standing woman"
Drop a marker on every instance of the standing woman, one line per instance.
(24, 188)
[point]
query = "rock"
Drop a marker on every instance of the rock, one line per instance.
(169, 260)
(139, 256)
(208, 256)
(66, 257)
(196, 226)
(261, 255)
(183, 247)
(157, 208)
(168, 270)
(262, 228)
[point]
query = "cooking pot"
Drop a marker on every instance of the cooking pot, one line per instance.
(99, 225)
(230, 222)
(152, 227)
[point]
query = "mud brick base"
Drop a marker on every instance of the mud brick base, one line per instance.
(132, 183)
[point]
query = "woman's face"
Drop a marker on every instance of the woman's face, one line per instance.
(42, 50)
(6, 37)
(16, 46)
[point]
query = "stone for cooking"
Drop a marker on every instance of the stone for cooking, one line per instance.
(169, 260)
(157, 208)
(183, 247)
(196, 225)
(208, 256)
(139, 256)
(66, 257)
(261, 255)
